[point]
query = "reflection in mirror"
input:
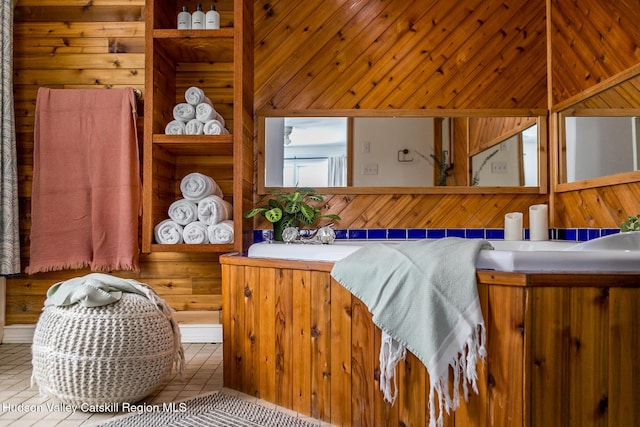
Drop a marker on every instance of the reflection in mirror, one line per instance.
(600, 146)
(513, 162)
(599, 135)
(399, 151)
(306, 152)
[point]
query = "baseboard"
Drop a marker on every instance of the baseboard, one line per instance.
(18, 334)
(191, 333)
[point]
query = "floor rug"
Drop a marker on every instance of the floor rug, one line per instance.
(216, 410)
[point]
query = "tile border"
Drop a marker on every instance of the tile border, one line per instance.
(359, 234)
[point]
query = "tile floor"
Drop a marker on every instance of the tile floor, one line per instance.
(203, 374)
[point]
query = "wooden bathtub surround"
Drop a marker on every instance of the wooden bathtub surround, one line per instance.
(563, 349)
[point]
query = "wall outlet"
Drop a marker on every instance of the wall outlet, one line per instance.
(499, 167)
(370, 169)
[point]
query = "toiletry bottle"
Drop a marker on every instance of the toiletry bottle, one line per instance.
(184, 19)
(197, 18)
(212, 19)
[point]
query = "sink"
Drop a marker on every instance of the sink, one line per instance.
(614, 253)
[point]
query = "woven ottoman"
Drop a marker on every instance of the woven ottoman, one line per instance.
(109, 354)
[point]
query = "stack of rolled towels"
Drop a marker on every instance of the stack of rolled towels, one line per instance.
(196, 116)
(200, 216)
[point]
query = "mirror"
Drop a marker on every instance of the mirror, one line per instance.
(332, 150)
(600, 136)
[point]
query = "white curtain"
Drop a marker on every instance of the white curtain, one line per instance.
(9, 220)
(337, 171)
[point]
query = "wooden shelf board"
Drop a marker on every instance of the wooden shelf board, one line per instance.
(195, 145)
(196, 45)
(183, 247)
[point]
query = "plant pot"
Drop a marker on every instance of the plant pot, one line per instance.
(277, 230)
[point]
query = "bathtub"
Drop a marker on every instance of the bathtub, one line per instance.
(614, 253)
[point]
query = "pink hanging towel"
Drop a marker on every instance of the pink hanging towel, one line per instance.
(85, 198)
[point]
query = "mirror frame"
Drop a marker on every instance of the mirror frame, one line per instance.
(571, 108)
(541, 120)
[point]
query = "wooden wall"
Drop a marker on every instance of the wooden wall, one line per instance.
(592, 41)
(336, 54)
(404, 55)
(97, 44)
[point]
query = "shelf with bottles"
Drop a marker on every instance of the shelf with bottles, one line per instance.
(165, 13)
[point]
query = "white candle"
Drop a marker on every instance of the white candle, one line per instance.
(538, 222)
(513, 226)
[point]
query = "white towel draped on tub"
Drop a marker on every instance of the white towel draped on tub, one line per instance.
(194, 96)
(196, 186)
(206, 112)
(183, 211)
(184, 112)
(194, 127)
(214, 209)
(195, 233)
(175, 127)
(168, 232)
(221, 232)
(214, 127)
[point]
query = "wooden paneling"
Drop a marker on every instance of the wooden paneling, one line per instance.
(597, 207)
(426, 211)
(592, 40)
(344, 54)
(398, 54)
(562, 349)
(405, 55)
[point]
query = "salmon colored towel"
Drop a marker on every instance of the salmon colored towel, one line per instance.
(85, 198)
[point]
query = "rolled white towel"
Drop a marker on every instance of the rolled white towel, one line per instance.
(175, 127)
(194, 127)
(221, 232)
(196, 233)
(206, 112)
(183, 211)
(168, 232)
(184, 112)
(214, 127)
(194, 96)
(196, 186)
(214, 209)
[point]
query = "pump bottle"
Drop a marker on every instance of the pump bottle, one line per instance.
(212, 19)
(184, 19)
(197, 18)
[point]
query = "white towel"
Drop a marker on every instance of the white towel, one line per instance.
(214, 127)
(183, 211)
(214, 209)
(221, 232)
(184, 112)
(194, 96)
(195, 233)
(175, 127)
(168, 232)
(196, 186)
(206, 112)
(194, 127)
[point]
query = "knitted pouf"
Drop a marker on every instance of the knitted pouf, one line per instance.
(114, 353)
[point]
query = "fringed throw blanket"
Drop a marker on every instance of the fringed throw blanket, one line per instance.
(85, 197)
(423, 296)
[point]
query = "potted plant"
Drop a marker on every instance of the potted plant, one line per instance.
(291, 209)
(631, 224)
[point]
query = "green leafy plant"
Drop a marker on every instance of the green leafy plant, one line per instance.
(291, 209)
(631, 224)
